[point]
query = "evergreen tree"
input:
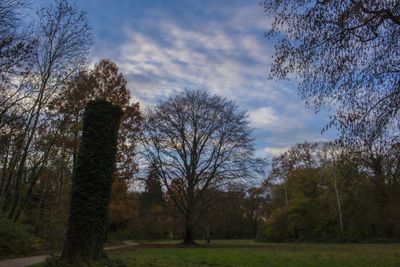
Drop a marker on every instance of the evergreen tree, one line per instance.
(153, 194)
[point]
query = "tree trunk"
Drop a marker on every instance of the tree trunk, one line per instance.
(189, 238)
(338, 203)
(30, 135)
(39, 211)
(4, 170)
(92, 180)
(208, 237)
(189, 230)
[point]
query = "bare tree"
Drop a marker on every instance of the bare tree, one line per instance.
(15, 60)
(196, 141)
(62, 39)
(346, 53)
(15, 46)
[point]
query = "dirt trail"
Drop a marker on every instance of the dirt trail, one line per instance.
(24, 262)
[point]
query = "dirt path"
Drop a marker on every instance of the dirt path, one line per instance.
(23, 262)
(126, 244)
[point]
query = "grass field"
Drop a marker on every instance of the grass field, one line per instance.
(248, 253)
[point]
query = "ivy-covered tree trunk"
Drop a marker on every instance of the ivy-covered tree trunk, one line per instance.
(92, 180)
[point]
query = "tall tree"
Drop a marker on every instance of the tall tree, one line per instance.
(92, 183)
(105, 82)
(346, 53)
(15, 61)
(62, 40)
(196, 141)
(152, 204)
(153, 193)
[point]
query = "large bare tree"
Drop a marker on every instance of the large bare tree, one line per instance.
(62, 39)
(347, 56)
(196, 141)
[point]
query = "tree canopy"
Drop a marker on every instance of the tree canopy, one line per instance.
(346, 55)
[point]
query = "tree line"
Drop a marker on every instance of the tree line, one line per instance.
(329, 192)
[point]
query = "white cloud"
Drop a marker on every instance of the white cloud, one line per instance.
(201, 60)
(275, 151)
(263, 117)
(228, 58)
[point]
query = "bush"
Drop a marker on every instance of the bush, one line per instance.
(16, 239)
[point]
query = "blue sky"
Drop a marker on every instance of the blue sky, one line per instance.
(163, 46)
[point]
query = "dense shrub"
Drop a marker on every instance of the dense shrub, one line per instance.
(16, 240)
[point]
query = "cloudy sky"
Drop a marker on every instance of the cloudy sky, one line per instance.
(163, 46)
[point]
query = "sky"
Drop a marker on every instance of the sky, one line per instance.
(164, 46)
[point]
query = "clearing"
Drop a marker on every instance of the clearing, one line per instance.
(247, 253)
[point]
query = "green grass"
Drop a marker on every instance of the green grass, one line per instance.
(247, 253)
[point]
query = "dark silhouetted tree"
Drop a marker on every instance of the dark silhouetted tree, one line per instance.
(62, 39)
(195, 141)
(153, 194)
(346, 53)
(92, 182)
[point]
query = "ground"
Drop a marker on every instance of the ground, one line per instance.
(246, 253)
